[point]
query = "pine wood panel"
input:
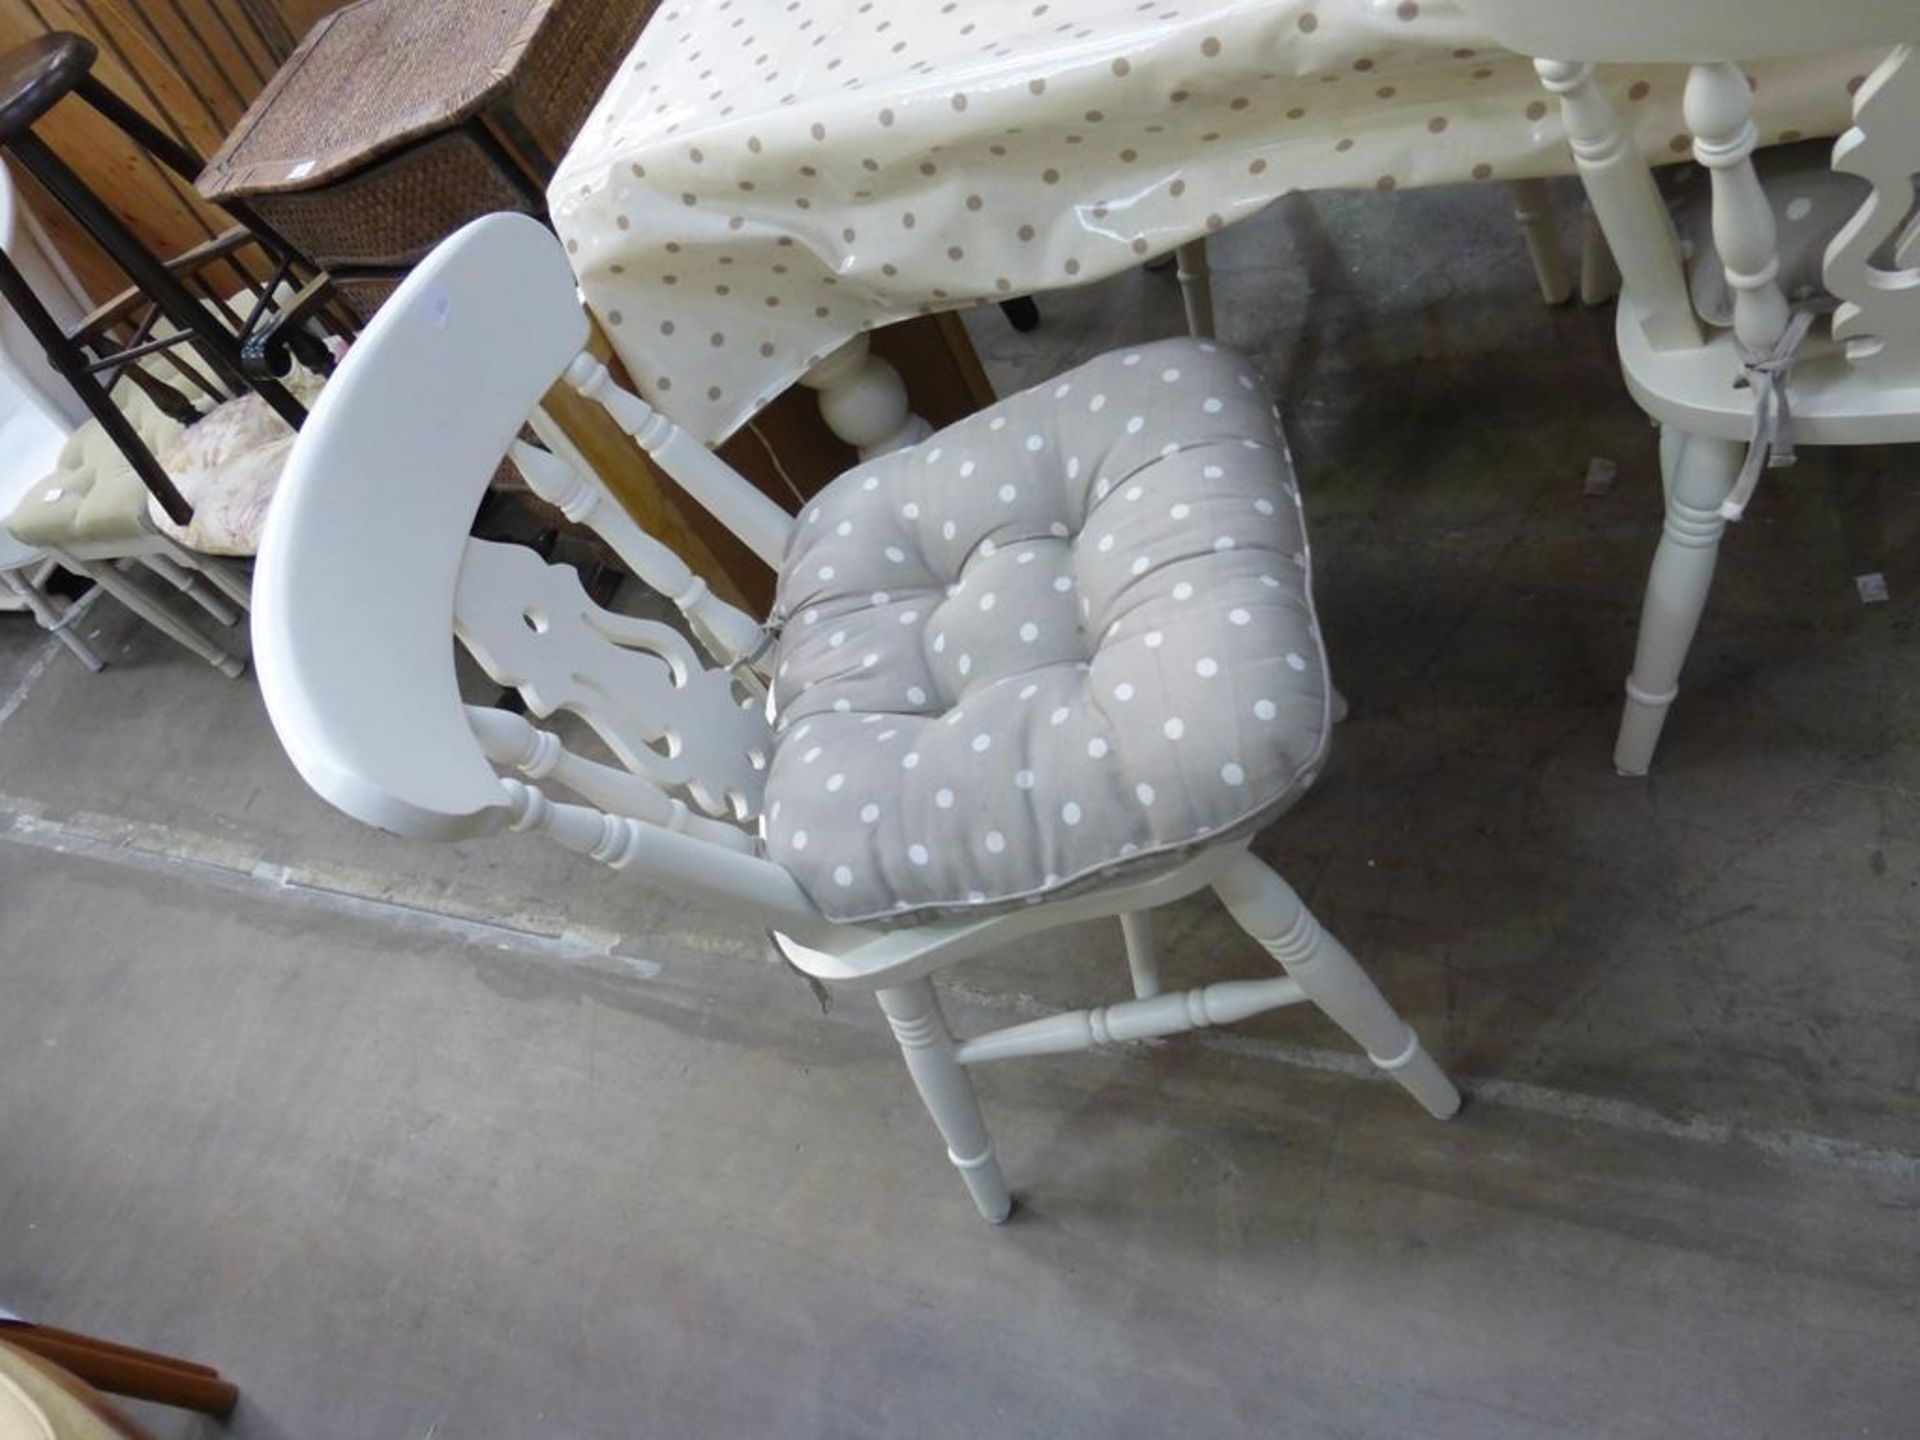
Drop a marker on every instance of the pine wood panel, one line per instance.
(298, 16)
(202, 52)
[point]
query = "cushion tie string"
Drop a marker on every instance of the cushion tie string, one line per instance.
(778, 955)
(1769, 373)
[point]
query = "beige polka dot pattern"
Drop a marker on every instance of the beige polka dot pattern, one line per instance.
(763, 181)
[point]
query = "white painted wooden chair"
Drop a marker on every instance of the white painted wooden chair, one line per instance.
(367, 572)
(1826, 357)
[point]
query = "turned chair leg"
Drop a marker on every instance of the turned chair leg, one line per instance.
(1196, 287)
(913, 1010)
(50, 618)
(129, 594)
(1267, 908)
(192, 586)
(1143, 961)
(1697, 471)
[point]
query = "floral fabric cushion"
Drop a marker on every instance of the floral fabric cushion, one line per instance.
(228, 464)
(1070, 635)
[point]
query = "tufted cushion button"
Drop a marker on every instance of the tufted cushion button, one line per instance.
(1066, 637)
(93, 494)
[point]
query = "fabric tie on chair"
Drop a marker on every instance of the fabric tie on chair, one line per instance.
(1769, 372)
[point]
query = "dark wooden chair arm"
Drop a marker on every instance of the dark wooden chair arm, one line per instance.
(269, 349)
(125, 307)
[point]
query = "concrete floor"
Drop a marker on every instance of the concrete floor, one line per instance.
(477, 1141)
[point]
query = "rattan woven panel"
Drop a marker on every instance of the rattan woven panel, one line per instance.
(367, 79)
(380, 74)
(567, 64)
(395, 212)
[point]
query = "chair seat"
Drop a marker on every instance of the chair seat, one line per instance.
(226, 463)
(1810, 202)
(1068, 636)
(93, 495)
(30, 444)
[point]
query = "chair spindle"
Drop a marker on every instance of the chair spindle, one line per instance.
(1719, 114)
(727, 495)
(510, 739)
(731, 635)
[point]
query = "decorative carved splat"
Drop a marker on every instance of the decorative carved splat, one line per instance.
(638, 683)
(563, 479)
(1873, 263)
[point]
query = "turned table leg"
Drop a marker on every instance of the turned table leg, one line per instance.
(864, 401)
(1533, 210)
(1196, 287)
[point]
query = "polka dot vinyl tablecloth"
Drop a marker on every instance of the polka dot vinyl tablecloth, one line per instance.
(765, 179)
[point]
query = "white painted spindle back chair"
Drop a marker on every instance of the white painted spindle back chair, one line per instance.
(367, 572)
(1839, 367)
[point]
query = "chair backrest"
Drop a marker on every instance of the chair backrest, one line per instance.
(1872, 265)
(367, 574)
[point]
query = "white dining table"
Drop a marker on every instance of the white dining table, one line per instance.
(767, 180)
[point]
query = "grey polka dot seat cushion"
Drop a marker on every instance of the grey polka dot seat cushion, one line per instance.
(1070, 635)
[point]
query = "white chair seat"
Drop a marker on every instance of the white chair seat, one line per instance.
(1069, 635)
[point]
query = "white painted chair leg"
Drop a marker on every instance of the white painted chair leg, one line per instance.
(1599, 276)
(864, 401)
(227, 577)
(192, 586)
(1267, 908)
(157, 615)
(913, 1010)
(1533, 209)
(1196, 287)
(1143, 961)
(50, 619)
(1697, 471)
